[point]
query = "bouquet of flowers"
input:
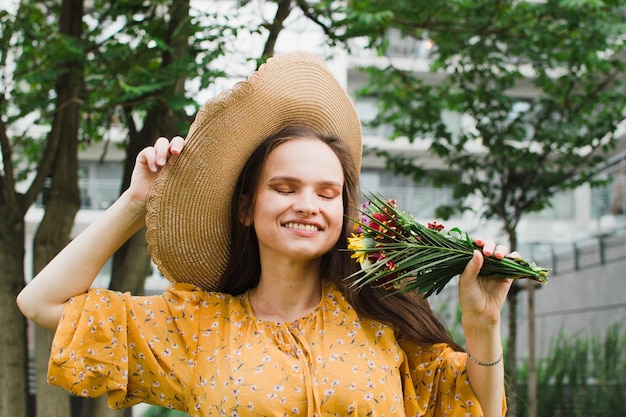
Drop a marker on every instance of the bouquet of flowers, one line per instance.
(398, 253)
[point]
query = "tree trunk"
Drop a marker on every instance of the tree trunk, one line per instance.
(98, 407)
(532, 371)
(50, 401)
(511, 352)
(282, 13)
(63, 199)
(14, 358)
(131, 263)
(52, 235)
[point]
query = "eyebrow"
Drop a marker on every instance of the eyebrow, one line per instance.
(298, 181)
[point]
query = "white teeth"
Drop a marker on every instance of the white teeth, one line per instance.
(305, 227)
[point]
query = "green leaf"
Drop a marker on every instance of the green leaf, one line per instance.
(401, 254)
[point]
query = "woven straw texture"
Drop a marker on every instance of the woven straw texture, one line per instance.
(188, 229)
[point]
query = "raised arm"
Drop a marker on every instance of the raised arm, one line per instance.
(75, 268)
(481, 302)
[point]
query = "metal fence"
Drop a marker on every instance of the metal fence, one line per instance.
(584, 254)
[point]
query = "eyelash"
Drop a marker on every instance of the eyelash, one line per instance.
(283, 192)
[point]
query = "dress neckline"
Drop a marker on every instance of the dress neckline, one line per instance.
(247, 306)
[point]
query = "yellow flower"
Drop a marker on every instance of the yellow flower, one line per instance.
(357, 244)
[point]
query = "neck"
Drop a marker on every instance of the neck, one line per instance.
(285, 296)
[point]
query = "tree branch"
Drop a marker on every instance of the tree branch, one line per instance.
(7, 181)
(282, 12)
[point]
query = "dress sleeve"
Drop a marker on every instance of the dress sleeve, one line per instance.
(136, 349)
(436, 382)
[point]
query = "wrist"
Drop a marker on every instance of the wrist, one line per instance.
(483, 343)
(480, 326)
(132, 202)
(486, 363)
(483, 338)
(135, 210)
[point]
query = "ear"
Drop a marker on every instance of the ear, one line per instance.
(244, 211)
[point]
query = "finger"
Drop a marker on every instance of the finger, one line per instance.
(162, 149)
(473, 267)
(176, 145)
(147, 156)
(500, 251)
(489, 247)
(514, 255)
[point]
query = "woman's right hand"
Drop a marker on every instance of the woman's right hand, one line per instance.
(148, 164)
(75, 268)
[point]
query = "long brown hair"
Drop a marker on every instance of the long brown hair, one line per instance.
(409, 314)
(244, 268)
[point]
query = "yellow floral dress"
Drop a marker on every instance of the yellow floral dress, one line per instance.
(205, 353)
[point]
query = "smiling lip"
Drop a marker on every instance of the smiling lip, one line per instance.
(303, 227)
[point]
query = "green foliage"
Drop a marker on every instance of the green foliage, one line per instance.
(542, 82)
(400, 254)
(28, 80)
(132, 60)
(581, 377)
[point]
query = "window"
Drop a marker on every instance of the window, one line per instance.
(99, 183)
(420, 199)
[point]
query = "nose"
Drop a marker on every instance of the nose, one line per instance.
(305, 203)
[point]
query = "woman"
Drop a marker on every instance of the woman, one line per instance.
(259, 319)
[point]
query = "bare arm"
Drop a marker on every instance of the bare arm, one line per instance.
(481, 302)
(75, 268)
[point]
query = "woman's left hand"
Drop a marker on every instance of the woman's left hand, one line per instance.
(482, 297)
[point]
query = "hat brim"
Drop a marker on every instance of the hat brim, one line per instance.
(188, 230)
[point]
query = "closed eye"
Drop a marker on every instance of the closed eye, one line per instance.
(326, 196)
(330, 193)
(283, 191)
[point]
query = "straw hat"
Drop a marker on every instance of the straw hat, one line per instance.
(188, 230)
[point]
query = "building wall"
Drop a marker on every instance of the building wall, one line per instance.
(584, 296)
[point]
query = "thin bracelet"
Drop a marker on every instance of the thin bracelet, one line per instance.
(477, 362)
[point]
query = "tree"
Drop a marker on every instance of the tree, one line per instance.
(56, 74)
(63, 195)
(48, 92)
(566, 58)
(157, 98)
(135, 72)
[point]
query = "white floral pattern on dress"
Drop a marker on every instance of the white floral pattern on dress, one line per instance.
(205, 353)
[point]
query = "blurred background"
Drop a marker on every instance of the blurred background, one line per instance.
(500, 118)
